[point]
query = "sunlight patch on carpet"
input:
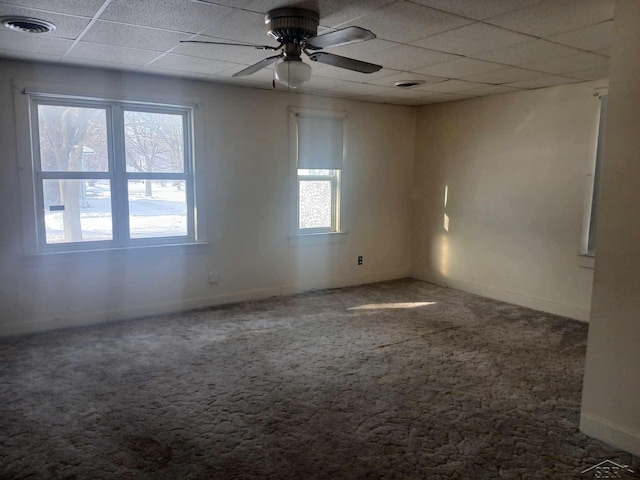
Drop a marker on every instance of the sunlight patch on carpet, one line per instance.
(377, 306)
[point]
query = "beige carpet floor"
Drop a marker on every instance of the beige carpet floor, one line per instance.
(399, 379)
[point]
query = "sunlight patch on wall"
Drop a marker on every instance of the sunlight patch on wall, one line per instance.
(445, 224)
(444, 255)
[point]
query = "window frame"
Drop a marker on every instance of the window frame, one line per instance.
(31, 176)
(334, 180)
(593, 181)
(337, 229)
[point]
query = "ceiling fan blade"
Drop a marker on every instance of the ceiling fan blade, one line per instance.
(257, 66)
(340, 37)
(258, 47)
(344, 62)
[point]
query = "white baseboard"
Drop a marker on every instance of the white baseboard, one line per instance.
(549, 306)
(102, 316)
(611, 434)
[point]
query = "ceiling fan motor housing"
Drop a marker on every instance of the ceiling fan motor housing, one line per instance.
(292, 24)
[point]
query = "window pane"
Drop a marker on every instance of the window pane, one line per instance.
(315, 204)
(154, 142)
(157, 208)
(77, 210)
(73, 139)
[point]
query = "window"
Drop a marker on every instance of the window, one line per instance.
(594, 183)
(111, 174)
(319, 159)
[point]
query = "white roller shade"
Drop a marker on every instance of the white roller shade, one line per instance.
(320, 142)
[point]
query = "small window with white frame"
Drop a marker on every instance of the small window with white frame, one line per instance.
(319, 162)
(110, 174)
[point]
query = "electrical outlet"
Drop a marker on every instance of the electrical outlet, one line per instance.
(360, 260)
(213, 277)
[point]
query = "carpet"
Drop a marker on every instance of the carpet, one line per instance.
(399, 379)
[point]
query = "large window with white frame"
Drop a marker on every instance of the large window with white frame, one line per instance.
(111, 174)
(319, 162)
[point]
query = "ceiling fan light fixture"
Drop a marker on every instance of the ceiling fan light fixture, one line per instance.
(293, 73)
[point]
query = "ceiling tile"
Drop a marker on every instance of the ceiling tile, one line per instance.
(506, 75)
(595, 38)
(395, 92)
(551, 17)
(474, 38)
(541, 82)
(226, 53)
(191, 64)
(350, 75)
(385, 101)
(450, 86)
(36, 57)
(337, 13)
(229, 3)
(459, 68)
(111, 54)
(67, 26)
(409, 58)
(84, 8)
(489, 90)
(571, 64)
(597, 73)
(172, 73)
(177, 15)
(95, 63)
(27, 42)
(389, 80)
(405, 22)
(120, 34)
(240, 26)
(526, 53)
(447, 97)
(475, 9)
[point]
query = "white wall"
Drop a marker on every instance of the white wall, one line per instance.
(515, 169)
(611, 394)
(243, 194)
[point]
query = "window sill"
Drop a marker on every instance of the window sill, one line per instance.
(123, 252)
(317, 238)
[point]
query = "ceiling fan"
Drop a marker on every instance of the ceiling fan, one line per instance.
(296, 30)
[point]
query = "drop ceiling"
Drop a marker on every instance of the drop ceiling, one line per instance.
(458, 48)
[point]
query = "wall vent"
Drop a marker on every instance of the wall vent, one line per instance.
(408, 83)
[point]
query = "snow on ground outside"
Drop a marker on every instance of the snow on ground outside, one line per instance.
(163, 215)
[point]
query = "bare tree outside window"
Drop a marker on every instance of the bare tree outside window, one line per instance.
(72, 139)
(154, 143)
